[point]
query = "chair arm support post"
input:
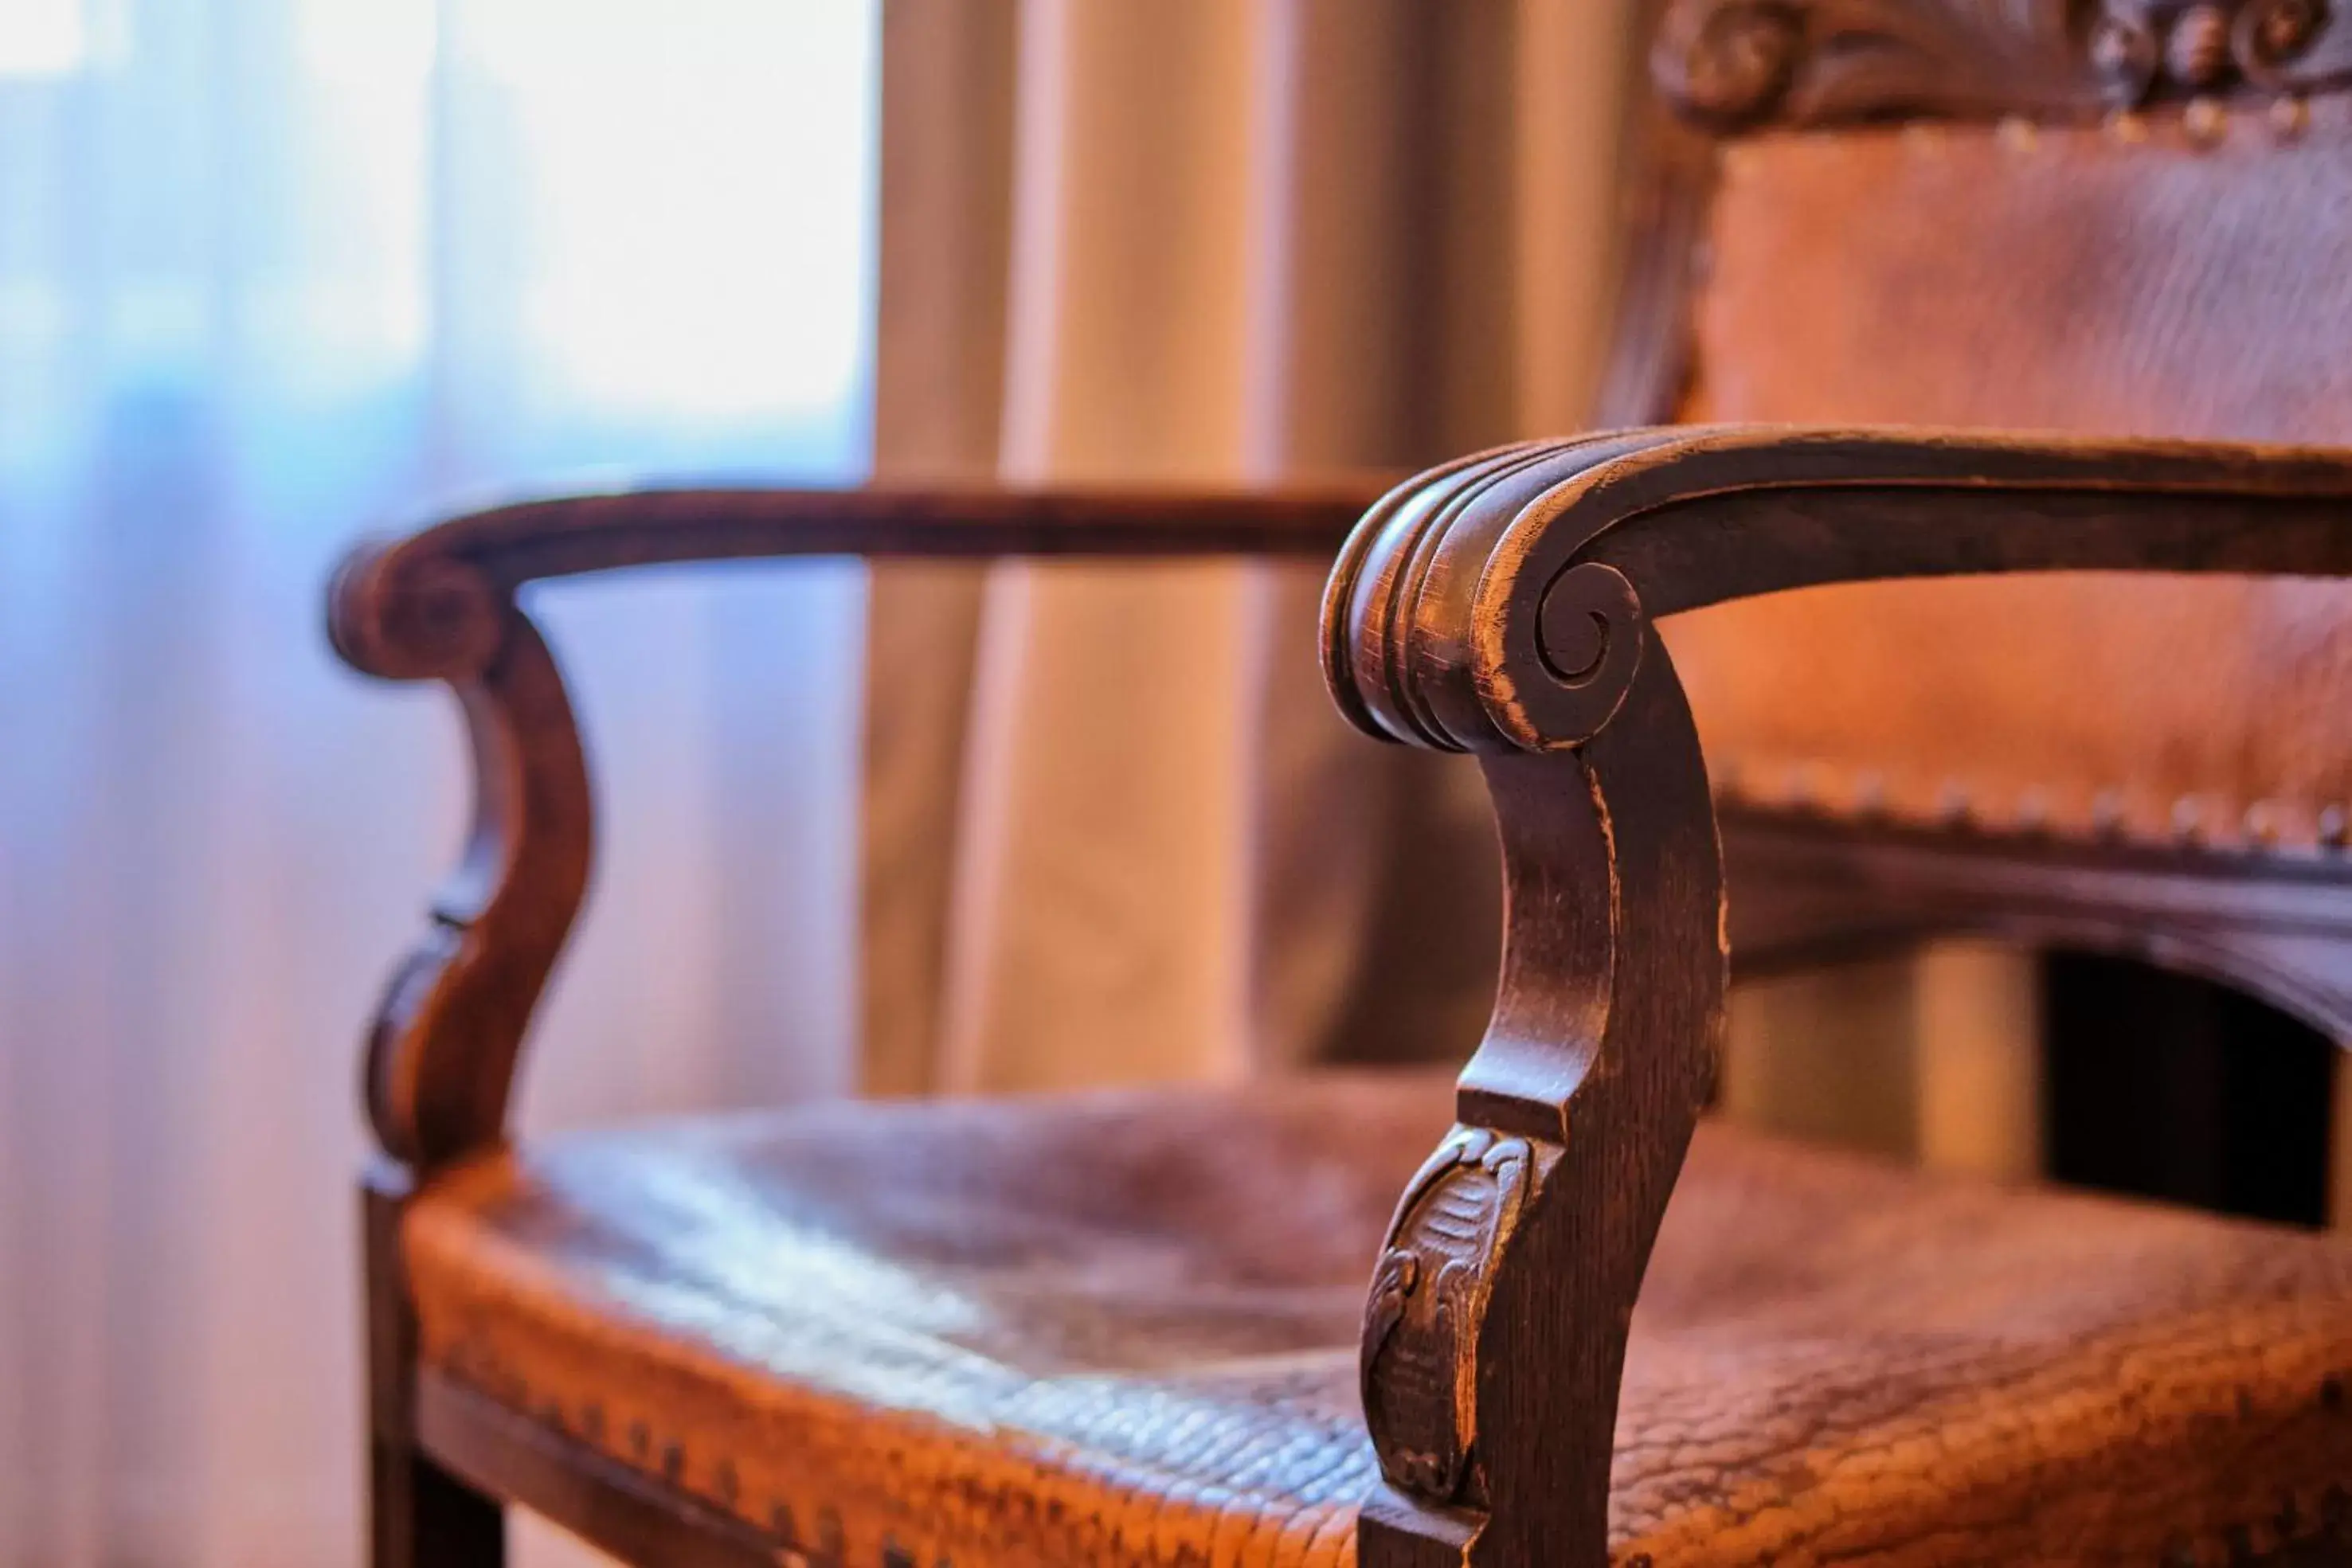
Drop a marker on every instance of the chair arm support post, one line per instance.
(1502, 605)
(439, 604)
(447, 1033)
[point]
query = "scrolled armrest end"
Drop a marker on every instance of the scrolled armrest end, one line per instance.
(444, 1046)
(404, 615)
(1457, 618)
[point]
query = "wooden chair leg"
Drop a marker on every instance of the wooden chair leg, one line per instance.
(420, 1516)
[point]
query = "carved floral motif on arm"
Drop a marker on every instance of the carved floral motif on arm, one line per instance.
(1428, 1299)
(1738, 64)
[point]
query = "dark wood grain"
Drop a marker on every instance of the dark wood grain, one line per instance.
(561, 536)
(1502, 605)
(443, 1048)
(1434, 635)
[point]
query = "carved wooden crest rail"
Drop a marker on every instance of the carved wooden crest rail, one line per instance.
(1736, 64)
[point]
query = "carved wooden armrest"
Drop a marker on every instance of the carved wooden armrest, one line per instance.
(439, 604)
(1501, 605)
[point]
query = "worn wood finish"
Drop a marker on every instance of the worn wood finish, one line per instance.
(561, 536)
(1501, 606)
(1571, 1097)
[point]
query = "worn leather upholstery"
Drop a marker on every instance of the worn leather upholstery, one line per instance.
(2137, 279)
(1123, 1328)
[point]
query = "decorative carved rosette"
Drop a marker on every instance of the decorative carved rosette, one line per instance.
(1428, 1301)
(2144, 49)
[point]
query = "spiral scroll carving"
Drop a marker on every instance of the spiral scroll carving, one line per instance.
(1439, 631)
(2270, 40)
(1738, 60)
(406, 616)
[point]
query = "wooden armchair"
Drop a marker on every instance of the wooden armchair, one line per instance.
(1134, 1328)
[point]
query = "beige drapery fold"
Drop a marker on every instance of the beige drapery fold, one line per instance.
(1113, 831)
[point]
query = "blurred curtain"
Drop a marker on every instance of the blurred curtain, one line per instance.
(272, 271)
(1113, 829)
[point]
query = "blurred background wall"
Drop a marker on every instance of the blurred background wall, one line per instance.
(274, 272)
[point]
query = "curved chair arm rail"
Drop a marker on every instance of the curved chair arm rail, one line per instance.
(1501, 605)
(439, 604)
(402, 602)
(1496, 603)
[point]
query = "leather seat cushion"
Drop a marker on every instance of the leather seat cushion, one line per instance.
(1123, 1328)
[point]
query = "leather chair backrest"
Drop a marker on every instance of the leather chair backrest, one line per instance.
(2035, 214)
